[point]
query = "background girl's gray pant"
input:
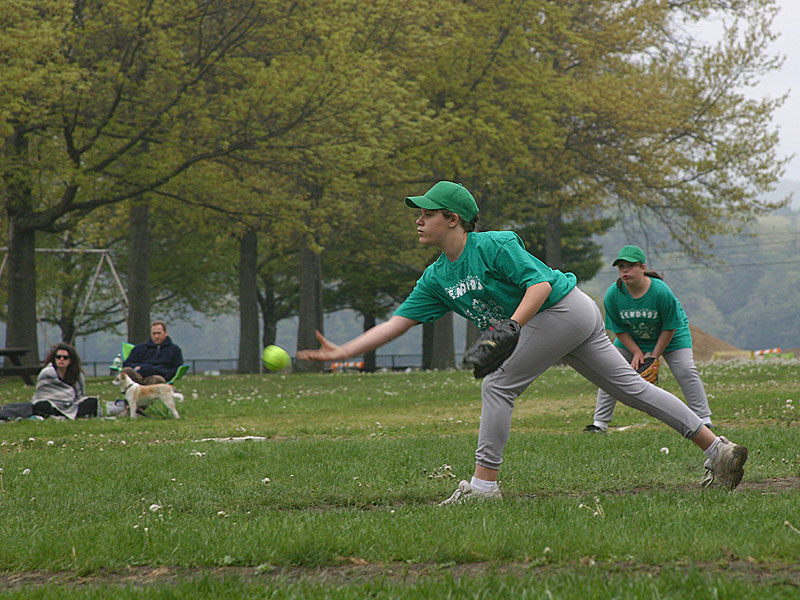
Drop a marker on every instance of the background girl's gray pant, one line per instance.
(681, 363)
(573, 331)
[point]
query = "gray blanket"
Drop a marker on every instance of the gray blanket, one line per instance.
(62, 396)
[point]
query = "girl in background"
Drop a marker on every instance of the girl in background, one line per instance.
(649, 321)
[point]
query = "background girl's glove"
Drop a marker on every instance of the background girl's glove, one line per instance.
(649, 370)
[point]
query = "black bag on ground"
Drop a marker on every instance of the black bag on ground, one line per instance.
(16, 411)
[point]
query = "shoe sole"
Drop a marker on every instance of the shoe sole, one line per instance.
(470, 499)
(735, 466)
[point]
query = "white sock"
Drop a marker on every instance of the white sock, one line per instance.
(481, 485)
(711, 451)
(601, 425)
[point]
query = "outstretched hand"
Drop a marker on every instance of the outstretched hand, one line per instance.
(327, 351)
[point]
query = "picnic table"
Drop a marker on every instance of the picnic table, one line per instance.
(17, 368)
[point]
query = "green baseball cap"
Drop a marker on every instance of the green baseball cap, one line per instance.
(631, 254)
(450, 196)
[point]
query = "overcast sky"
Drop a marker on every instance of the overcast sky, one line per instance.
(787, 118)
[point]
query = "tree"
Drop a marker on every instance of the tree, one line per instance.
(358, 110)
(101, 103)
(376, 262)
(580, 109)
(580, 253)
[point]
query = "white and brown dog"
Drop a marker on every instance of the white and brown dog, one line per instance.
(139, 396)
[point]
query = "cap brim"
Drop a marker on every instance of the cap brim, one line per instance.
(629, 259)
(422, 202)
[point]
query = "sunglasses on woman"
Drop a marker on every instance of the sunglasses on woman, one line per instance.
(62, 357)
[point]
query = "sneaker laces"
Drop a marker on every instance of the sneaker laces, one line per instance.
(462, 490)
(708, 479)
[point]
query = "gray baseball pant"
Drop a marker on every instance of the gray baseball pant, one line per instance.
(681, 363)
(571, 331)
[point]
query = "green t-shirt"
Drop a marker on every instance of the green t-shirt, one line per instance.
(646, 317)
(485, 284)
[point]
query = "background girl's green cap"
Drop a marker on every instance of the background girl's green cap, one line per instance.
(450, 196)
(631, 254)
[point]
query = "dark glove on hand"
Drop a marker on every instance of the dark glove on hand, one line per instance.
(493, 347)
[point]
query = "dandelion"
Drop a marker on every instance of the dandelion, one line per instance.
(443, 472)
(155, 507)
(198, 454)
(26, 472)
(596, 510)
(664, 450)
(265, 480)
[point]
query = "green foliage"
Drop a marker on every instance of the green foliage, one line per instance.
(581, 254)
(377, 258)
(291, 117)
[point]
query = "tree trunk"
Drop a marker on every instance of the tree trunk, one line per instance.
(310, 307)
(69, 294)
(443, 351)
(21, 317)
(472, 334)
(139, 271)
(248, 304)
(427, 345)
(266, 302)
(21, 321)
(437, 344)
(370, 363)
(552, 245)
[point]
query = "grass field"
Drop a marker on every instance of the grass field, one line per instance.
(326, 486)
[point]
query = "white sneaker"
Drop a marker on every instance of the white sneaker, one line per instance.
(466, 493)
(727, 469)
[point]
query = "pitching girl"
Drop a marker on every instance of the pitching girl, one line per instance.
(489, 277)
(648, 320)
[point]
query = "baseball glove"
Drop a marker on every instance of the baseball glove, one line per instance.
(492, 348)
(649, 370)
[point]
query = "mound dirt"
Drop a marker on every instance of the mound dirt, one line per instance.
(704, 344)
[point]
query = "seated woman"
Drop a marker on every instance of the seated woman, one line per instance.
(61, 386)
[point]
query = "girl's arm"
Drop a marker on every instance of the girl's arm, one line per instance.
(369, 340)
(628, 341)
(531, 302)
(664, 338)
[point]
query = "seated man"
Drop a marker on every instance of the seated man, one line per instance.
(157, 359)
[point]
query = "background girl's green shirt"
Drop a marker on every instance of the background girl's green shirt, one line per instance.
(485, 284)
(646, 317)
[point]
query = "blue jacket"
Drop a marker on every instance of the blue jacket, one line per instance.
(163, 359)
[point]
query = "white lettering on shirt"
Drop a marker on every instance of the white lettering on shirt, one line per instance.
(469, 283)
